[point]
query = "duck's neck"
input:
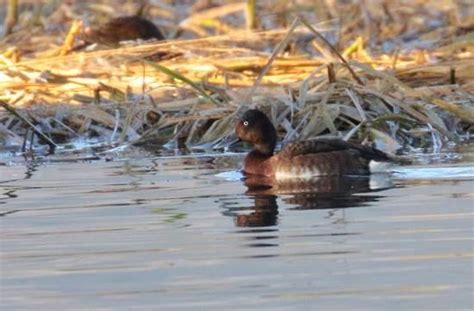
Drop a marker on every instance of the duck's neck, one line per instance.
(257, 163)
(263, 150)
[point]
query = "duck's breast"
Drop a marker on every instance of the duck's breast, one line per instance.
(256, 164)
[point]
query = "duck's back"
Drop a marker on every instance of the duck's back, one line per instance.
(122, 29)
(325, 157)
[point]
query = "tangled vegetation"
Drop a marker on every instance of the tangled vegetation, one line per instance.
(396, 73)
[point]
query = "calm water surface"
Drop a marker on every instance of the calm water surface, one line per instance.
(188, 233)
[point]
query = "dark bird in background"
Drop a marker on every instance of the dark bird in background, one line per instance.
(122, 29)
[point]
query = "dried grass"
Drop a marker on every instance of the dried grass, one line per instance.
(189, 91)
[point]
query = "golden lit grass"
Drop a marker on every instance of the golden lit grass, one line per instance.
(191, 91)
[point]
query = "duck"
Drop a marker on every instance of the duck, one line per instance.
(303, 159)
(123, 28)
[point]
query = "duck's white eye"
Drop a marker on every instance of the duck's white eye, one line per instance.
(246, 123)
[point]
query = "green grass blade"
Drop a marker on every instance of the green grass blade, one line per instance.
(175, 75)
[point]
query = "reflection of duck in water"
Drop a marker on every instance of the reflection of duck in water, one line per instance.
(264, 213)
(326, 192)
(303, 159)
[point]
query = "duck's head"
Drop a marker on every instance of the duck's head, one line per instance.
(256, 128)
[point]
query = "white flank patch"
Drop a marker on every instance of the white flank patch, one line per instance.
(380, 167)
(302, 173)
(380, 181)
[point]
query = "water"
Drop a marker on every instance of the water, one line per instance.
(187, 233)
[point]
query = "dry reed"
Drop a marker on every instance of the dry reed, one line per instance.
(335, 80)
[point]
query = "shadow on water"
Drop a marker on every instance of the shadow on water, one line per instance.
(313, 194)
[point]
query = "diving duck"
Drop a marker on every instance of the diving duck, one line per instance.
(301, 159)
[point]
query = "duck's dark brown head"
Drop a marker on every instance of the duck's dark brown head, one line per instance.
(255, 128)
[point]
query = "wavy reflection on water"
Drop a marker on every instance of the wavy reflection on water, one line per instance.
(305, 194)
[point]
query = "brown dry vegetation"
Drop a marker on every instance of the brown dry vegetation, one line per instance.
(395, 72)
